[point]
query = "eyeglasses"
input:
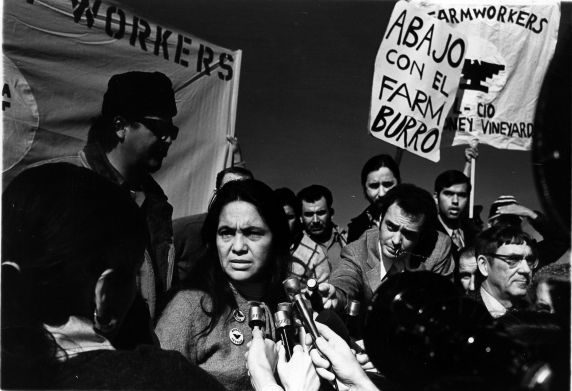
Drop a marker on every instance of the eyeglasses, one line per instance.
(514, 260)
(160, 128)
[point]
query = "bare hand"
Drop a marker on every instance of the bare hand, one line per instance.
(298, 373)
(329, 297)
(518, 210)
(261, 359)
(471, 153)
(339, 361)
(364, 360)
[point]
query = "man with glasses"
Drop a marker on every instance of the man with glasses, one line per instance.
(506, 259)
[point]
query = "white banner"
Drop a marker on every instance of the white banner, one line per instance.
(58, 58)
(510, 48)
(417, 71)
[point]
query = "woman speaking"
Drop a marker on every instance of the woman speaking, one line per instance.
(246, 237)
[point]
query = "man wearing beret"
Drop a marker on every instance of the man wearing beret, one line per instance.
(126, 143)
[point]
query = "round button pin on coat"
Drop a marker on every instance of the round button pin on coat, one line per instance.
(236, 336)
(239, 316)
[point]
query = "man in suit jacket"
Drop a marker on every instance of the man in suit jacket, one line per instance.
(405, 241)
(452, 189)
(506, 259)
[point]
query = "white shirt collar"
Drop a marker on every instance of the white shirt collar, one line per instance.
(495, 308)
(77, 336)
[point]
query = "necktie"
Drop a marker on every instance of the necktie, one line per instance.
(457, 239)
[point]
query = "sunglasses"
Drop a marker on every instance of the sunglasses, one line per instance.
(514, 260)
(160, 128)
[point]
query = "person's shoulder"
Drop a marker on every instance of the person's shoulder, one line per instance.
(358, 225)
(191, 220)
(442, 244)
(190, 296)
(145, 367)
(187, 303)
(75, 160)
(187, 310)
(362, 244)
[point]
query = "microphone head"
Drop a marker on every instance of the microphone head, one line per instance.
(282, 319)
(285, 306)
(291, 286)
(256, 316)
(353, 308)
(312, 284)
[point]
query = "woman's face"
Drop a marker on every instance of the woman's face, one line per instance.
(378, 183)
(243, 240)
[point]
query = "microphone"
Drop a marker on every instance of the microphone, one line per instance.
(285, 331)
(353, 319)
(298, 326)
(314, 296)
(333, 321)
(292, 288)
(256, 317)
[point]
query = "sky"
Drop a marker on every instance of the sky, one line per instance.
(304, 97)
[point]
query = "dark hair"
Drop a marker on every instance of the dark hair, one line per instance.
(62, 226)
(102, 132)
(286, 197)
(488, 242)
(243, 172)
(378, 161)
(314, 193)
(557, 278)
(450, 178)
(209, 275)
(413, 200)
(491, 239)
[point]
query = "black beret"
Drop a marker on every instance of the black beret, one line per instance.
(139, 94)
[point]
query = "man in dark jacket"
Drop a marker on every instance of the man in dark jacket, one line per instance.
(126, 143)
(506, 259)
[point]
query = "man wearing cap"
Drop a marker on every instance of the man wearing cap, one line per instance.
(506, 259)
(126, 143)
(506, 211)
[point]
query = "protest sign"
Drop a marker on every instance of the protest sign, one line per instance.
(417, 71)
(511, 47)
(58, 58)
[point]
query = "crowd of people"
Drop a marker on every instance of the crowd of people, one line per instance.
(102, 290)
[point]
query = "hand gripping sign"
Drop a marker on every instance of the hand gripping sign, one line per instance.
(417, 72)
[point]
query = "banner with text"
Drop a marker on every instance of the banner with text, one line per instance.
(417, 71)
(511, 47)
(58, 58)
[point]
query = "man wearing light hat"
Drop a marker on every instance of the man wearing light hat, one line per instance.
(506, 211)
